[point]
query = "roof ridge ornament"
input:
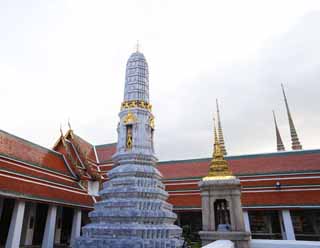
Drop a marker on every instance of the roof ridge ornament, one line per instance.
(280, 146)
(294, 136)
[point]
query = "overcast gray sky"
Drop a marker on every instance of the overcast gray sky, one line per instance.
(63, 59)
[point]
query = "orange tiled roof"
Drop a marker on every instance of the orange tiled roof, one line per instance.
(295, 161)
(105, 152)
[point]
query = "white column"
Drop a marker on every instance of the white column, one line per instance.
(29, 224)
(246, 221)
(14, 235)
(76, 224)
(48, 237)
(288, 226)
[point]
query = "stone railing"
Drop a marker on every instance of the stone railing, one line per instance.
(266, 243)
(220, 244)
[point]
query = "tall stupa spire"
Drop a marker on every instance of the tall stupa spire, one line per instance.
(280, 146)
(220, 132)
(294, 136)
(133, 211)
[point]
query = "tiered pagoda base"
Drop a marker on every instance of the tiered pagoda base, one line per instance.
(133, 212)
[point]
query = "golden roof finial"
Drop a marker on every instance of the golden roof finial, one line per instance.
(219, 168)
(69, 125)
(220, 132)
(61, 132)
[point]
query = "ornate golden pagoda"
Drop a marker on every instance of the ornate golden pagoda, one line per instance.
(219, 168)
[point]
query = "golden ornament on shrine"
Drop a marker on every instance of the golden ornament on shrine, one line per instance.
(219, 168)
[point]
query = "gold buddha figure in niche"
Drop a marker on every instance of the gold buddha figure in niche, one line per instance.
(129, 137)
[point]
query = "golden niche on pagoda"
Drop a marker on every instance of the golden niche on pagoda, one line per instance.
(128, 120)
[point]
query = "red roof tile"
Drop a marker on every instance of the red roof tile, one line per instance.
(305, 160)
(26, 151)
(105, 152)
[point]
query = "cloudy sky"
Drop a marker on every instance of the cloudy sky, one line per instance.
(63, 59)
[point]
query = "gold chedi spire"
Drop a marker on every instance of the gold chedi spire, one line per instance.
(219, 168)
(294, 136)
(280, 146)
(220, 133)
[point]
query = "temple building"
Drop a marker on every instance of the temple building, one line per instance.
(46, 194)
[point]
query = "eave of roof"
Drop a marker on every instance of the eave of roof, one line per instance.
(105, 145)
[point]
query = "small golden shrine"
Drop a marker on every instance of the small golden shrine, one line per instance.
(219, 168)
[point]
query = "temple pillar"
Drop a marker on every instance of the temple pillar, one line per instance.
(28, 224)
(48, 237)
(246, 221)
(76, 224)
(205, 214)
(57, 236)
(288, 226)
(15, 229)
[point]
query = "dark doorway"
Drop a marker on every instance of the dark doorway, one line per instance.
(40, 223)
(84, 219)
(265, 224)
(306, 224)
(8, 205)
(191, 224)
(67, 216)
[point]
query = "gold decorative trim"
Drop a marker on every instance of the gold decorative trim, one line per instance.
(136, 104)
(151, 122)
(129, 118)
